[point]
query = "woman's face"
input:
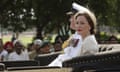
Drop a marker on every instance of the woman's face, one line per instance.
(82, 25)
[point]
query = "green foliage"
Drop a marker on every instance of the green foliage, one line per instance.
(24, 39)
(104, 36)
(15, 16)
(50, 15)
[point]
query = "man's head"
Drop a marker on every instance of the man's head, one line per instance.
(71, 13)
(45, 48)
(8, 46)
(37, 44)
(18, 46)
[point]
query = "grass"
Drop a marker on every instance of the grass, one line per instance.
(25, 39)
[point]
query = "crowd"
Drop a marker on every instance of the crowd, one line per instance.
(15, 50)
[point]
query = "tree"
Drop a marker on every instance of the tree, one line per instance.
(15, 16)
(48, 16)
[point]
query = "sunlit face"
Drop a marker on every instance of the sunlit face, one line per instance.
(72, 22)
(82, 25)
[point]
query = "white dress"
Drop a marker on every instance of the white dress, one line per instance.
(70, 52)
(88, 46)
(3, 54)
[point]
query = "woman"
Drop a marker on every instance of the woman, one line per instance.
(83, 42)
(85, 26)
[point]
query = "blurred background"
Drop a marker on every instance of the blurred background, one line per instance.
(47, 19)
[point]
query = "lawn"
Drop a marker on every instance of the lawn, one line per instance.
(25, 39)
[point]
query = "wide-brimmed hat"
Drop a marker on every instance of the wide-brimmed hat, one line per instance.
(81, 9)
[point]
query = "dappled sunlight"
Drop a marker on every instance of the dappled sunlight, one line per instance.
(25, 39)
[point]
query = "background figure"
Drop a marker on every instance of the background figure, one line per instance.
(8, 46)
(3, 52)
(59, 39)
(112, 40)
(57, 46)
(71, 13)
(13, 38)
(45, 48)
(36, 48)
(30, 47)
(19, 53)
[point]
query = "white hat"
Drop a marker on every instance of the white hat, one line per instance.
(79, 7)
(74, 9)
(15, 41)
(38, 42)
(82, 9)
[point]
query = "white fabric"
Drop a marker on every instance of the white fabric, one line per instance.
(69, 52)
(3, 54)
(89, 46)
(86, 47)
(38, 42)
(15, 41)
(78, 7)
(15, 57)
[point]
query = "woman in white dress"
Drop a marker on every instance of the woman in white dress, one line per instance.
(83, 42)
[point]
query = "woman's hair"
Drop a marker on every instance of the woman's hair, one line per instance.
(90, 18)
